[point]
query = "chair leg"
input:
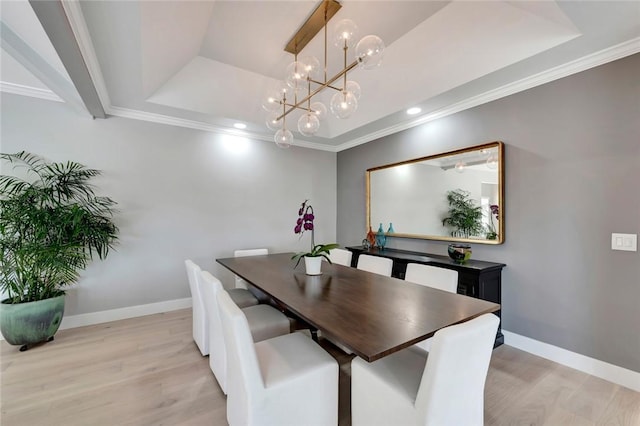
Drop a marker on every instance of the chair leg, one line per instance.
(314, 334)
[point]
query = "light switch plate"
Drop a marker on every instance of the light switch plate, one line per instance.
(624, 242)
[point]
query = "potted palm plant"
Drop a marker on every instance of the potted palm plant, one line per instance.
(51, 225)
(464, 216)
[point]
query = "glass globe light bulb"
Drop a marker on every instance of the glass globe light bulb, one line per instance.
(345, 30)
(280, 90)
(343, 104)
(300, 91)
(369, 52)
(308, 124)
(271, 102)
(283, 138)
(272, 121)
(492, 162)
(319, 110)
(296, 75)
(460, 166)
(311, 66)
(353, 87)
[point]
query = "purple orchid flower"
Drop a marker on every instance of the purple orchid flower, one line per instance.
(305, 223)
(305, 220)
(495, 210)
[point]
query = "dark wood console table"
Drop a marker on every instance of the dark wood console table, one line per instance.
(476, 278)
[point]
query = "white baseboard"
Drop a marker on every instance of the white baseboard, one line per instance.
(595, 367)
(80, 320)
(73, 321)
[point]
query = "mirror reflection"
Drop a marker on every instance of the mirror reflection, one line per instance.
(455, 196)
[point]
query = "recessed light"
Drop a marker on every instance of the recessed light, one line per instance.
(240, 126)
(414, 110)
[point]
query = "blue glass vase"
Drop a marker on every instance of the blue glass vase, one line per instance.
(391, 230)
(381, 239)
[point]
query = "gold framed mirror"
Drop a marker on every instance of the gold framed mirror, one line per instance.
(454, 196)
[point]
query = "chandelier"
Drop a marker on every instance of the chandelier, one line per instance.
(306, 77)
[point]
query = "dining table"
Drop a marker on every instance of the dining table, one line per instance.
(370, 314)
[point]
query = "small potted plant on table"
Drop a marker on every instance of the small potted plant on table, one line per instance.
(313, 258)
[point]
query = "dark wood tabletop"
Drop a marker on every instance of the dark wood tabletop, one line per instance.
(371, 314)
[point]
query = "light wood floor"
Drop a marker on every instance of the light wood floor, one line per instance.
(148, 371)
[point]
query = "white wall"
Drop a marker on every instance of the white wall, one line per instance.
(181, 194)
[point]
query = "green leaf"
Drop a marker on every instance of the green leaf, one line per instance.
(319, 250)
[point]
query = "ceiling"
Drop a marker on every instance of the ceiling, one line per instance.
(208, 65)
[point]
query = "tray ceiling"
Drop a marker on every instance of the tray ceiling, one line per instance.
(210, 63)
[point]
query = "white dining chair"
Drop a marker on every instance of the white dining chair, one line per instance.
(442, 387)
(200, 325)
(264, 322)
(434, 277)
(340, 256)
(287, 380)
(240, 283)
(241, 297)
(376, 264)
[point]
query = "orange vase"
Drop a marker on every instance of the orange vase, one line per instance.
(371, 237)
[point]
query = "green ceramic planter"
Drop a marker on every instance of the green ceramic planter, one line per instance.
(31, 322)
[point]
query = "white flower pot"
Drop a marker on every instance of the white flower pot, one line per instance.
(313, 265)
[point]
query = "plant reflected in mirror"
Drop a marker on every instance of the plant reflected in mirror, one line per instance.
(413, 195)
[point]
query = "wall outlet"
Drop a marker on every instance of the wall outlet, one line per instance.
(625, 242)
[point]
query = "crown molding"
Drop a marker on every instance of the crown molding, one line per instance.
(312, 145)
(199, 125)
(174, 121)
(81, 32)
(610, 54)
(33, 92)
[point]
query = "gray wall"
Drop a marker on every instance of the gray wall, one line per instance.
(572, 178)
(182, 194)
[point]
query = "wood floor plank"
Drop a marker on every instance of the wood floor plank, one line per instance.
(592, 399)
(512, 373)
(539, 401)
(624, 409)
(148, 371)
(561, 417)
